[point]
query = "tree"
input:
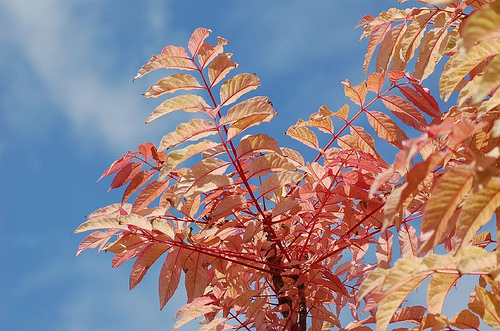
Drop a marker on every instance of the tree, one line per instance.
(268, 241)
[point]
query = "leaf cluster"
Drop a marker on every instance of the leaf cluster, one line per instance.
(269, 241)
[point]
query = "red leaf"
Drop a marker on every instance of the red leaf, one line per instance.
(421, 101)
(146, 150)
(125, 175)
(117, 165)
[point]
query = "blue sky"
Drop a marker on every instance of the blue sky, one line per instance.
(68, 108)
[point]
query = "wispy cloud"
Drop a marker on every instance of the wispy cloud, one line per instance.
(72, 51)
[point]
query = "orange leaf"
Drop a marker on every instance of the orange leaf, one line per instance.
(386, 129)
(304, 135)
(152, 191)
(357, 93)
(145, 260)
(95, 239)
(172, 84)
(188, 103)
(227, 205)
(269, 163)
(170, 275)
(196, 40)
(221, 66)
(248, 108)
(235, 87)
(375, 82)
(196, 276)
(207, 53)
(387, 48)
(171, 57)
(190, 311)
(193, 130)
(178, 156)
(204, 176)
(257, 143)
(279, 180)
(376, 36)
(140, 179)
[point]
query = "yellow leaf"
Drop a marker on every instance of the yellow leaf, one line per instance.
(235, 87)
(439, 286)
(164, 227)
(119, 222)
(193, 130)
(107, 223)
(446, 195)
(171, 57)
(389, 304)
(375, 279)
(188, 103)
(486, 305)
(190, 311)
(481, 24)
(221, 66)
(386, 129)
(477, 211)
(172, 84)
(178, 156)
(461, 64)
(400, 273)
(473, 258)
(304, 135)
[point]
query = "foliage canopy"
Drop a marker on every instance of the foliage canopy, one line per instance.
(270, 241)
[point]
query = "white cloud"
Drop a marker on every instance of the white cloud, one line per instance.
(69, 53)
